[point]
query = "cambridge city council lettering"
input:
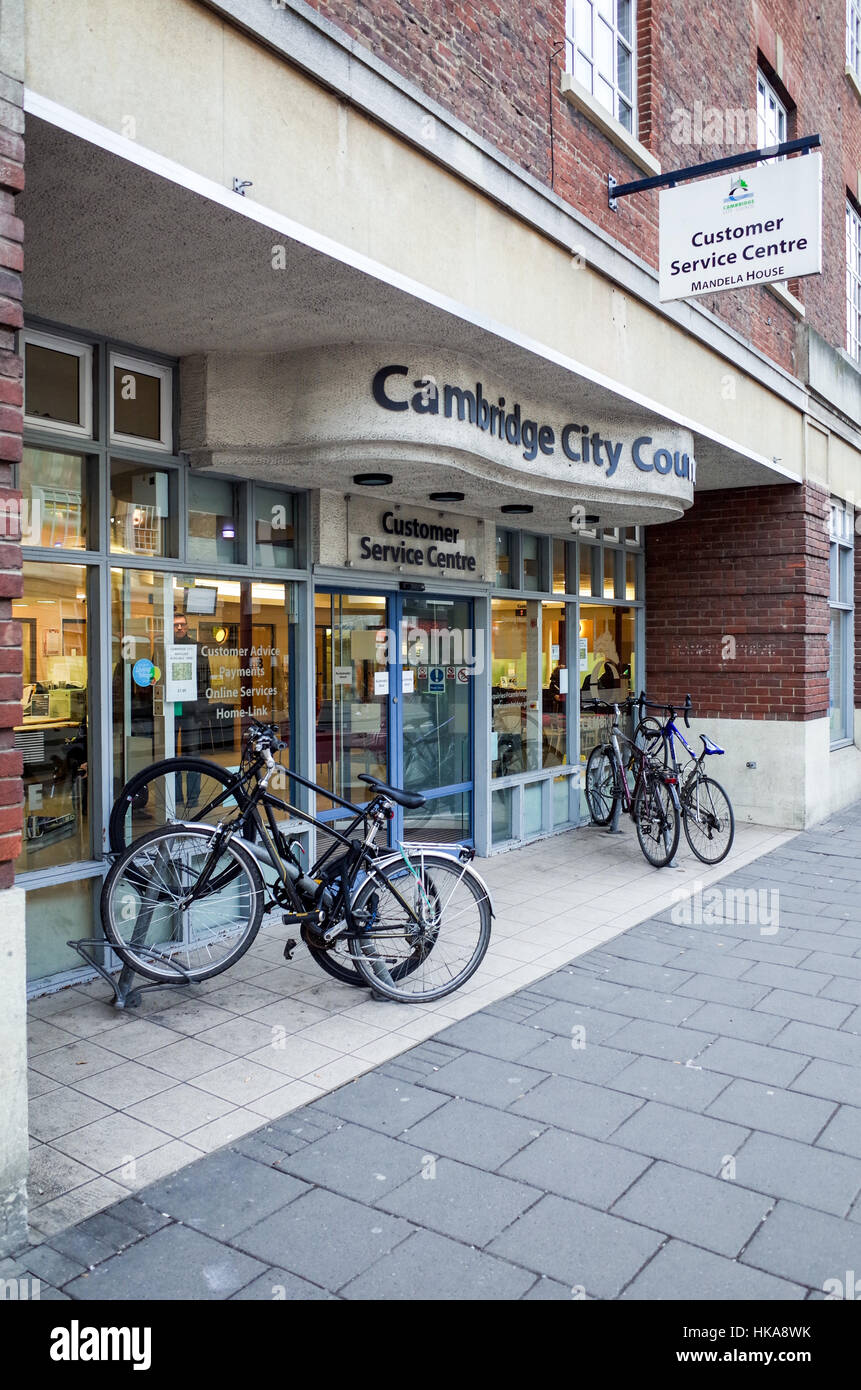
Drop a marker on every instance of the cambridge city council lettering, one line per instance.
(579, 443)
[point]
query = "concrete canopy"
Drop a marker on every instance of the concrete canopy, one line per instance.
(122, 251)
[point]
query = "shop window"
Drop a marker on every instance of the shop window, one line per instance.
(531, 548)
(141, 403)
(54, 500)
(632, 535)
(239, 637)
(516, 736)
(840, 683)
(214, 520)
(632, 576)
(561, 801)
(143, 509)
(58, 384)
(52, 735)
(504, 559)
(609, 589)
(554, 685)
(559, 567)
(274, 529)
(606, 662)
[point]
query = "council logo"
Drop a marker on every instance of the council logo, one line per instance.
(739, 195)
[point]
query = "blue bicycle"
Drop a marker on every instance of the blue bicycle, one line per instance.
(707, 814)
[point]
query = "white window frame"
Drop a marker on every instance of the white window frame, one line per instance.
(841, 563)
(772, 117)
(576, 47)
(84, 353)
(140, 366)
(853, 36)
(853, 282)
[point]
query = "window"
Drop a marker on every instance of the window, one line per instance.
(141, 404)
(52, 735)
(853, 282)
(274, 528)
(54, 500)
(840, 684)
(58, 384)
(143, 506)
(214, 520)
(770, 115)
(601, 43)
(853, 36)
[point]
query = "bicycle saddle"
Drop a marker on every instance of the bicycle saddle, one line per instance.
(709, 745)
(411, 800)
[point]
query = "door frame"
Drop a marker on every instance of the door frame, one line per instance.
(395, 599)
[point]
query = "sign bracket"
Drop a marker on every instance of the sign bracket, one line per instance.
(617, 190)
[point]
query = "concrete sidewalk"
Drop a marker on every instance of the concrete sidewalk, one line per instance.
(675, 1114)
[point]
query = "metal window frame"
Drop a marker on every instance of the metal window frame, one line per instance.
(98, 449)
(71, 347)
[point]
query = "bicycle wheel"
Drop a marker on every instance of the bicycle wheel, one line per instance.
(175, 789)
(657, 817)
(336, 961)
(148, 922)
(408, 960)
(708, 819)
(602, 784)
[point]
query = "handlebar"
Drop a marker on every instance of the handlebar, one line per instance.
(643, 702)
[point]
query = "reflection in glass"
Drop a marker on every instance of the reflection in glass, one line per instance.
(53, 488)
(274, 528)
(53, 384)
(214, 521)
(137, 403)
(554, 685)
(142, 501)
(52, 735)
(516, 735)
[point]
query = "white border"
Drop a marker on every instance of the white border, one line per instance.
(84, 353)
(138, 366)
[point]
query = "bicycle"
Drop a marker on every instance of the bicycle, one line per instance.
(415, 921)
(707, 813)
(652, 802)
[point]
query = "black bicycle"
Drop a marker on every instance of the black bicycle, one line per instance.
(707, 813)
(412, 923)
(652, 801)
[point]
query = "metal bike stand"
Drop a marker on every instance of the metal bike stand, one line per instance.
(613, 828)
(124, 996)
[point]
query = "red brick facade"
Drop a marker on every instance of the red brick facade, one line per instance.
(488, 64)
(11, 424)
(737, 604)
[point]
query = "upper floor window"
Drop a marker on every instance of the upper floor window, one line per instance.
(58, 384)
(602, 51)
(770, 115)
(853, 282)
(853, 36)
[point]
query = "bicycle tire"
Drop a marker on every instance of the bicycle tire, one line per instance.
(332, 960)
(143, 878)
(690, 788)
(601, 784)
(124, 805)
(374, 955)
(662, 799)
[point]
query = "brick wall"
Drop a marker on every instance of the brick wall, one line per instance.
(737, 604)
(488, 64)
(11, 422)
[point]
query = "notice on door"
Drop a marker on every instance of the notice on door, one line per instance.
(181, 679)
(343, 675)
(408, 684)
(381, 682)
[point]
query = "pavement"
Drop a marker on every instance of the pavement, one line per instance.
(675, 1113)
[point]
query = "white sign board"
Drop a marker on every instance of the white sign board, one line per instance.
(746, 227)
(343, 675)
(181, 676)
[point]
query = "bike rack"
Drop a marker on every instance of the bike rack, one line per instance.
(124, 996)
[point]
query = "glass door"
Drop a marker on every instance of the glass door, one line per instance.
(352, 693)
(434, 715)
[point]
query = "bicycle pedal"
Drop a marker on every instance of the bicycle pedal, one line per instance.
(289, 947)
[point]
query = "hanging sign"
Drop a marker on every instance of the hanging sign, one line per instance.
(742, 228)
